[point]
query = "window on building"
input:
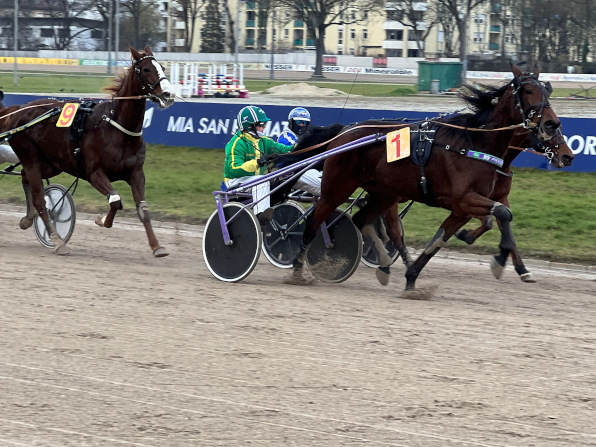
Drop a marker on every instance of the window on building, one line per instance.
(479, 18)
(353, 14)
(96, 34)
(288, 15)
(352, 33)
(394, 34)
(412, 53)
(286, 33)
(414, 36)
(47, 32)
(478, 37)
(352, 52)
(365, 34)
(510, 38)
(64, 32)
(395, 15)
(340, 36)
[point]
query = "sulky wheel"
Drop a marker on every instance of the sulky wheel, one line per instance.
(339, 261)
(283, 234)
(370, 256)
(61, 210)
(234, 262)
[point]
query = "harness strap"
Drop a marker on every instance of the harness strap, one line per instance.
(122, 129)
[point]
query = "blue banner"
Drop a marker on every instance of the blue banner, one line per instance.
(210, 125)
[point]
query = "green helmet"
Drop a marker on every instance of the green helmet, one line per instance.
(250, 115)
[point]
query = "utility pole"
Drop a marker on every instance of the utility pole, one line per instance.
(272, 72)
(110, 37)
(169, 27)
(117, 40)
(16, 41)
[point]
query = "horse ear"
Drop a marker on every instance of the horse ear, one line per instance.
(536, 70)
(148, 51)
(516, 71)
(135, 54)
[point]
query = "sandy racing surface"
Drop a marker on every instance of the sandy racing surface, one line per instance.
(111, 347)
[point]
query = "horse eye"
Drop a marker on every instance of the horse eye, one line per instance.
(146, 70)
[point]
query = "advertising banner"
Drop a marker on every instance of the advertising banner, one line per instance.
(211, 125)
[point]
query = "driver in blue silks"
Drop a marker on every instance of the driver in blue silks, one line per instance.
(298, 122)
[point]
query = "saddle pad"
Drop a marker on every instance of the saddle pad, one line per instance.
(421, 141)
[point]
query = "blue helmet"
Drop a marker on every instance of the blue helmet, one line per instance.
(298, 120)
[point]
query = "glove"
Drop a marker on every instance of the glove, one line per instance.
(262, 162)
(250, 166)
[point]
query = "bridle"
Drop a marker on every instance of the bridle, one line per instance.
(535, 109)
(145, 84)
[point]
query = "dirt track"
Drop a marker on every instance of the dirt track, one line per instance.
(111, 347)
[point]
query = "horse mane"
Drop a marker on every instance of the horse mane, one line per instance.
(481, 100)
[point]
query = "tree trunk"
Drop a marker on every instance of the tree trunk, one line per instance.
(320, 50)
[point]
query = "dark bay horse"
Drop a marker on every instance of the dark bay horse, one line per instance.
(459, 175)
(560, 155)
(103, 144)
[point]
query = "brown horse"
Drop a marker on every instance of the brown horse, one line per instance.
(458, 176)
(103, 144)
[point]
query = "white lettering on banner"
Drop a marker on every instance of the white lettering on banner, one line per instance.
(180, 124)
(148, 118)
(279, 67)
(216, 127)
(394, 71)
(577, 144)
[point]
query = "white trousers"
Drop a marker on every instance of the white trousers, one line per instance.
(260, 193)
(310, 182)
(7, 155)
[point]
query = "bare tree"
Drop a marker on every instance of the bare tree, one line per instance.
(141, 24)
(319, 15)
(189, 13)
(461, 11)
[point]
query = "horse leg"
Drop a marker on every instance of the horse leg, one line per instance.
(518, 264)
(392, 221)
(445, 231)
(137, 185)
(470, 236)
(364, 220)
(38, 200)
(334, 193)
(27, 220)
(99, 180)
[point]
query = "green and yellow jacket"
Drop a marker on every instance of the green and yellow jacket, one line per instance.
(243, 151)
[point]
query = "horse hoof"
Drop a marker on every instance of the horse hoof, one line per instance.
(297, 278)
(25, 223)
(496, 268)
(160, 252)
(62, 250)
(527, 277)
(422, 294)
(99, 221)
(383, 276)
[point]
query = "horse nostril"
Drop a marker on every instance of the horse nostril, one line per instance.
(567, 159)
(552, 124)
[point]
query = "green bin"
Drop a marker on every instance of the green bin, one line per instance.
(447, 73)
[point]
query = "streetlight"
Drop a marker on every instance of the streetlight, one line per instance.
(272, 72)
(237, 33)
(16, 40)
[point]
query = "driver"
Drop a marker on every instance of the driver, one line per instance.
(242, 152)
(298, 122)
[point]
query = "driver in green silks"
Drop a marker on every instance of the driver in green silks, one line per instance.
(242, 152)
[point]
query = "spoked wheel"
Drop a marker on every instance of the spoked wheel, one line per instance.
(283, 234)
(61, 210)
(232, 263)
(370, 256)
(339, 261)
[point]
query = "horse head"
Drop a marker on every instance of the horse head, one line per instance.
(531, 101)
(555, 149)
(152, 78)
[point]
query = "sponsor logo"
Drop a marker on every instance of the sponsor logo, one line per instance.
(582, 145)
